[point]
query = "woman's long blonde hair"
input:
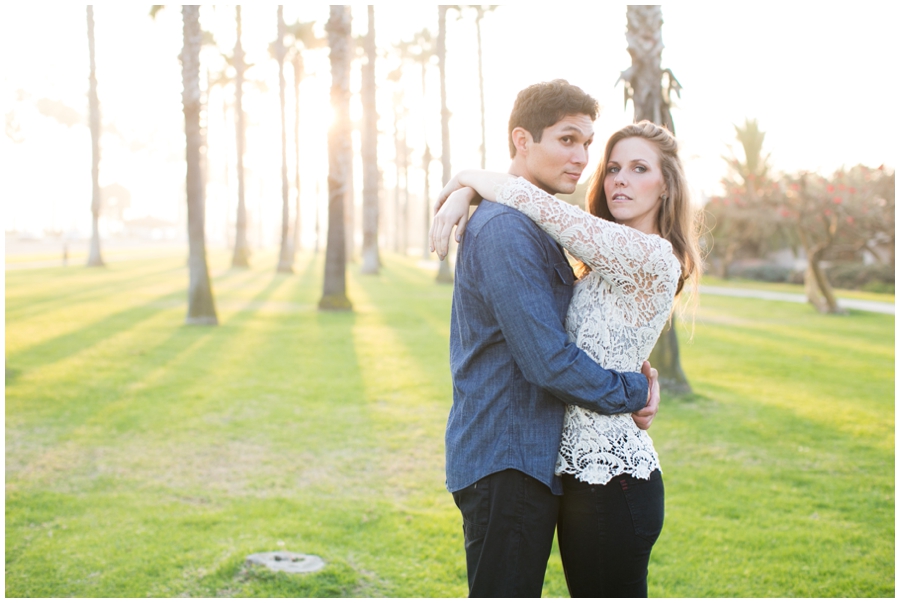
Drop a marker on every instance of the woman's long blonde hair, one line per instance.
(678, 221)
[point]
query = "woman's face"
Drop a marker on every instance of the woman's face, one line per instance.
(634, 184)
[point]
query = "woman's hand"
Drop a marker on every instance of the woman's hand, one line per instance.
(452, 212)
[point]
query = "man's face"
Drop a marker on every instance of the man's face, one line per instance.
(556, 162)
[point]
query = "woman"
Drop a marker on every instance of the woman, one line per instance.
(638, 245)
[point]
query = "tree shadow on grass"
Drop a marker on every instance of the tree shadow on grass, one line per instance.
(60, 295)
(63, 346)
(11, 374)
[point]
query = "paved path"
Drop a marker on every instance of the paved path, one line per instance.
(855, 304)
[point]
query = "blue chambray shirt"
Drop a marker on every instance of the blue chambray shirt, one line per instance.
(512, 364)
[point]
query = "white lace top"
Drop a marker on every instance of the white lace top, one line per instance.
(616, 315)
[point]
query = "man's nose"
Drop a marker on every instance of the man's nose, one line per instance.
(580, 156)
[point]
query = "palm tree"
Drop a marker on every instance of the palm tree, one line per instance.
(303, 38)
(201, 308)
(370, 260)
(644, 79)
(94, 258)
(444, 275)
(401, 161)
(286, 256)
(420, 50)
(340, 155)
(652, 101)
(744, 224)
(480, 11)
(241, 257)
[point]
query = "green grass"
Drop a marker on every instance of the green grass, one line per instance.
(148, 458)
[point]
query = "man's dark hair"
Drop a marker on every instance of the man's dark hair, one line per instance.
(541, 105)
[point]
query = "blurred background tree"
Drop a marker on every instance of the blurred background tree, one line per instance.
(371, 261)
(444, 275)
(94, 256)
(286, 252)
(302, 37)
(241, 256)
(837, 218)
(201, 307)
(742, 223)
(340, 156)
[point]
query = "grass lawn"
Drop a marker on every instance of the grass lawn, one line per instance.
(148, 458)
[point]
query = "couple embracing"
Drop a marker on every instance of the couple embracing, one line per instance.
(552, 394)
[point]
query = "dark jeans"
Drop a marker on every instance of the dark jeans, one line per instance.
(508, 521)
(606, 533)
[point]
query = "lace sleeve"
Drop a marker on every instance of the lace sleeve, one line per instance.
(637, 264)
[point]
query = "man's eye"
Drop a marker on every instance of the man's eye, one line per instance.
(567, 139)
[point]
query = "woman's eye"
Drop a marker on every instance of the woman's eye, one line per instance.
(640, 169)
(613, 170)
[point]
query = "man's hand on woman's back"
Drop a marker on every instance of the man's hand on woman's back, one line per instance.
(644, 417)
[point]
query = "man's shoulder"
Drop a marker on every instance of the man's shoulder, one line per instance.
(495, 216)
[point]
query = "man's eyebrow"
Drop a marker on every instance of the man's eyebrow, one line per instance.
(570, 128)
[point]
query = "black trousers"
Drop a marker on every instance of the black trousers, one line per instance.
(508, 523)
(606, 533)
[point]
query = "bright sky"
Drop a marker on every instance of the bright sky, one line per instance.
(821, 79)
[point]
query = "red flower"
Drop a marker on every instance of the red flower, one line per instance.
(838, 200)
(827, 212)
(830, 188)
(849, 219)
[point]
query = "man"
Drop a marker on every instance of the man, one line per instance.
(512, 364)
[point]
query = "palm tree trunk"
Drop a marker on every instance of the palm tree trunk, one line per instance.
(298, 76)
(340, 155)
(318, 229)
(444, 275)
(478, 18)
(241, 257)
(285, 257)
(644, 37)
(397, 170)
(426, 167)
(350, 211)
(644, 78)
(370, 260)
(404, 166)
(94, 257)
(201, 309)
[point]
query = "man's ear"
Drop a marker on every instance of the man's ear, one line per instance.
(521, 140)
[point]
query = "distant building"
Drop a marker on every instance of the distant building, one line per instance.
(150, 228)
